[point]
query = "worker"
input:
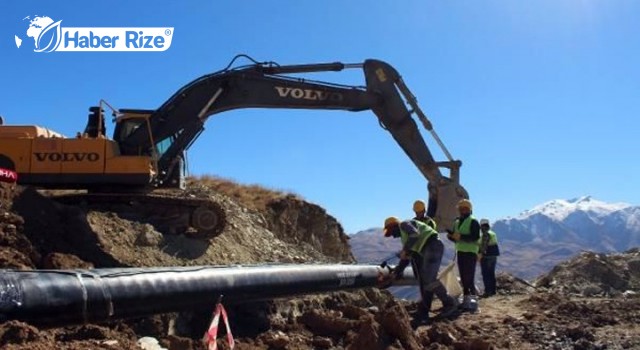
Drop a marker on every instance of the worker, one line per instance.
(466, 235)
(423, 248)
(421, 214)
(488, 256)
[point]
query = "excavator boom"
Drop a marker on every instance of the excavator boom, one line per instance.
(148, 148)
(181, 119)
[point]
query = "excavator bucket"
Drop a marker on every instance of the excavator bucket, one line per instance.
(448, 195)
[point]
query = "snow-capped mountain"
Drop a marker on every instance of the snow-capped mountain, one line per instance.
(538, 239)
(560, 209)
(586, 222)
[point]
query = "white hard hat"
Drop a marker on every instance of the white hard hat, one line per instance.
(484, 222)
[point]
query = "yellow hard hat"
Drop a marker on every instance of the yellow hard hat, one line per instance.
(418, 206)
(465, 203)
(392, 220)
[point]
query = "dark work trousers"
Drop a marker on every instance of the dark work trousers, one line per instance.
(467, 268)
(427, 266)
(488, 267)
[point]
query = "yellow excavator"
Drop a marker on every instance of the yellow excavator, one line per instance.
(148, 148)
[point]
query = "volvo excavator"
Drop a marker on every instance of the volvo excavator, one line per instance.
(148, 148)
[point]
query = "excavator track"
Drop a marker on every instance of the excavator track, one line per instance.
(194, 217)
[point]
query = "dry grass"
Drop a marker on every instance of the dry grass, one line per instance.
(250, 196)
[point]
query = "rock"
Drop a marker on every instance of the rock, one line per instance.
(148, 236)
(439, 334)
(322, 342)
(578, 332)
(327, 323)
(57, 261)
(591, 290)
(275, 340)
(11, 258)
(634, 267)
(173, 342)
(354, 312)
(395, 321)
(368, 336)
(15, 332)
(509, 284)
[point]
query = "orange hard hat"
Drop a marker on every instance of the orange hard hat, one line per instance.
(419, 206)
(388, 222)
(465, 203)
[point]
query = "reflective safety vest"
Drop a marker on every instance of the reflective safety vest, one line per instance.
(493, 240)
(427, 220)
(424, 233)
(492, 245)
(464, 228)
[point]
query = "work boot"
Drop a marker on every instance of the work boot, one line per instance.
(418, 321)
(470, 303)
(466, 301)
(450, 309)
(420, 317)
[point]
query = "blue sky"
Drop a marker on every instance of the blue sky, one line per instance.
(539, 99)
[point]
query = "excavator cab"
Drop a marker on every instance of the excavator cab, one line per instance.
(129, 121)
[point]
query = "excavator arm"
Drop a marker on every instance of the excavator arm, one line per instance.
(180, 120)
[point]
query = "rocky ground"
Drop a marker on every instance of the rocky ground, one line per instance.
(592, 274)
(589, 302)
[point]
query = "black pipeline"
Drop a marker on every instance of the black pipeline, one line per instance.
(64, 297)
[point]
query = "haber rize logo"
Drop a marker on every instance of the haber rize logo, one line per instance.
(49, 35)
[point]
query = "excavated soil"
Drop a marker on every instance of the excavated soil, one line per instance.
(553, 313)
(592, 274)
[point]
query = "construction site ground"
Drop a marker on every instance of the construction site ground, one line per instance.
(590, 302)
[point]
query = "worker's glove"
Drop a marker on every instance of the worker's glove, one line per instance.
(385, 281)
(454, 236)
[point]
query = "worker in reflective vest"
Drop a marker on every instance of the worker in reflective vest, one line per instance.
(421, 214)
(488, 256)
(466, 235)
(423, 248)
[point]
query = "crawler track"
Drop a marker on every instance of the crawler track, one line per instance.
(195, 217)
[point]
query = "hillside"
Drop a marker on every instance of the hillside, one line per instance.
(36, 232)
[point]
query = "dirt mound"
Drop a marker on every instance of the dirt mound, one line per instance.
(592, 274)
(16, 250)
(509, 284)
(289, 230)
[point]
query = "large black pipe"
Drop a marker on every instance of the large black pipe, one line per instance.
(64, 297)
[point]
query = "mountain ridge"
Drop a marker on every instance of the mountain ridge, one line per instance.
(537, 239)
